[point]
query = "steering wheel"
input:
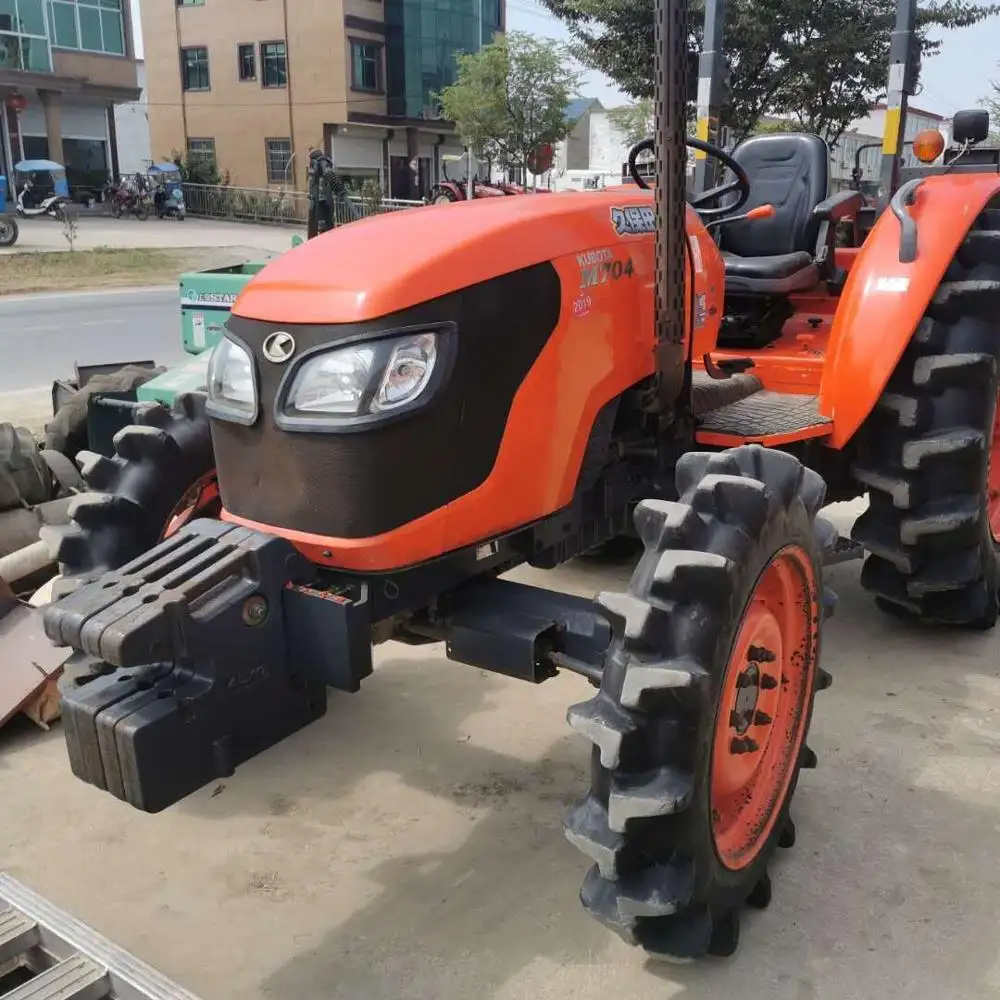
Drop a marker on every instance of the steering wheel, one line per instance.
(741, 184)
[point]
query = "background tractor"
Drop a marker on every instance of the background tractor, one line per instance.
(518, 381)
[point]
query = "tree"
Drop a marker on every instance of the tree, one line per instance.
(992, 104)
(509, 99)
(823, 62)
(634, 121)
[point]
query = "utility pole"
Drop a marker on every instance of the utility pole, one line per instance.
(904, 67)
(711, 74)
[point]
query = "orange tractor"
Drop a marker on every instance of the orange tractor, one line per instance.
(518, 381)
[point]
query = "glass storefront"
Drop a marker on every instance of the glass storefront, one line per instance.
(422, 39)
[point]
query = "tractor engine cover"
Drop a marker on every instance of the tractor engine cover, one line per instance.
(207, 656)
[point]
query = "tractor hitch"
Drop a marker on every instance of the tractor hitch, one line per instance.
(209, 649)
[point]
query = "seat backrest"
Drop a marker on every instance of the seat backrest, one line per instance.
(789, 171)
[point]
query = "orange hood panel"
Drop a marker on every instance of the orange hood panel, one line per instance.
(386, 263)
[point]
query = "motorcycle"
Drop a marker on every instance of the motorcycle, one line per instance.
(168, 191)
(30, 201)
(124, 199)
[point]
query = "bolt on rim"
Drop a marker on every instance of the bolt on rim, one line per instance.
(763, 707)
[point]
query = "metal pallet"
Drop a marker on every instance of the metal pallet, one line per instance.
(66, 959)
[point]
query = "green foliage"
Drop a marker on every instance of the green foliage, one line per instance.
(510, 98)
(824, 63)
(371, 196)
(633, 121)
(769, 126)
(199, 169)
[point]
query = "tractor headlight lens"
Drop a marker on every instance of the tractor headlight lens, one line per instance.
(364, 379)
(232, 388)
(407, 372)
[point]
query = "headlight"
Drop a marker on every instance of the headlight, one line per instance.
(232, 388)
(365, 379)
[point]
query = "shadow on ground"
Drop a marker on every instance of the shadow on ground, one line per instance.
(890, 892)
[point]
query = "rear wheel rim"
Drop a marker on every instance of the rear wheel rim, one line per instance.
(993, 477)
(763, 708)
(198, 500)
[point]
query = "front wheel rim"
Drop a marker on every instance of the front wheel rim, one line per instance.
(202, 496)
(764, 707)
(993, 477)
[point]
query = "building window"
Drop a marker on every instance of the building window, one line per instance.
(278, 153)
(194, 69)
(201, 149)
(190, 3)
(273, 64)
(23, 41)
(246, 59)
(88, 25)
(366, 66)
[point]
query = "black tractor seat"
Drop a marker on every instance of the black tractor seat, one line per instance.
(791, 251)
(781, 274)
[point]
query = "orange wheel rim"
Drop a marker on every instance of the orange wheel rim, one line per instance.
(199, 498)
(993, 478)
(763, 707)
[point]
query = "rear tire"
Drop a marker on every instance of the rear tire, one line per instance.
(139, 494)
(691, 777)
(925, 454)
(141, 211)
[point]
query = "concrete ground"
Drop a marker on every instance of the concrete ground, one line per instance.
(408, 845)
(105, 231)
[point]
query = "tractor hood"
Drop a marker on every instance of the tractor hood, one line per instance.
(390, 262)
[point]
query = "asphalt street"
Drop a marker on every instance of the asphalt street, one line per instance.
(41, 336)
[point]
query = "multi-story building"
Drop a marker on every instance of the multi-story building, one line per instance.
(64, 65)
(258, 85)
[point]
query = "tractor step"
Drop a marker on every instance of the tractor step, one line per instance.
(46, 954)
(768, 418)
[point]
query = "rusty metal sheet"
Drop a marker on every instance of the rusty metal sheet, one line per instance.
(27, 659)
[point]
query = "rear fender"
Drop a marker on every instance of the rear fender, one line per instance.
(884, 300)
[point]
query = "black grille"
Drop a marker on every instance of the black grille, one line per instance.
(357, 484)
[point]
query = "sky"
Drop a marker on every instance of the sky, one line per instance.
(952, 80)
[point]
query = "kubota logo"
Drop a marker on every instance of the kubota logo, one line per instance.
(279, 347)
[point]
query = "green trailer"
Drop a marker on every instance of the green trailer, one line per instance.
(206, 298)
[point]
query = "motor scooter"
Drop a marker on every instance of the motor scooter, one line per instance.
(28, 206)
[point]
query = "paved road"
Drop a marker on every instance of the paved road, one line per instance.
(41, 336)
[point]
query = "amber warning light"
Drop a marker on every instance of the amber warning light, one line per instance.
(928, 145)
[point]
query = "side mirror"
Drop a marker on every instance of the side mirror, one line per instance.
(970, 126)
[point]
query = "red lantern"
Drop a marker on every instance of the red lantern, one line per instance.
(17, 102)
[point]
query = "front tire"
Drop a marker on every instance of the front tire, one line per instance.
(705, 702)
(929, 454)
(161, 476)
